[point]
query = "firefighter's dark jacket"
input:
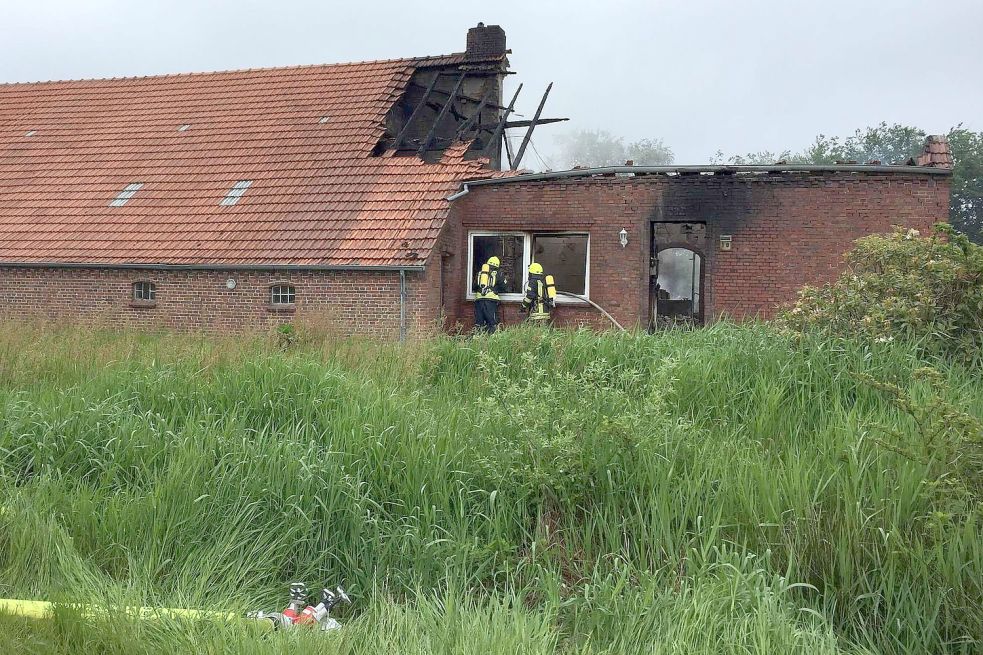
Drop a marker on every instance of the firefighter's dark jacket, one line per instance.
(491, 282)
(537, 300)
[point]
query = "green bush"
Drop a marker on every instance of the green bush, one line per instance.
(902, 286)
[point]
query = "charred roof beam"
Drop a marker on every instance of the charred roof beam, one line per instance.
(532, 126)
(440, 116)
(416, 111)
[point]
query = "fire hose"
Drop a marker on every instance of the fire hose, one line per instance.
(595, 306)
(295, 615)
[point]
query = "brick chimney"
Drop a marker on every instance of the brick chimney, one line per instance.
(936, 153)
(485, 42)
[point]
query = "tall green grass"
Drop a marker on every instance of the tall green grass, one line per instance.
(722, 490)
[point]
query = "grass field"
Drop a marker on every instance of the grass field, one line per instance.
(717, 491)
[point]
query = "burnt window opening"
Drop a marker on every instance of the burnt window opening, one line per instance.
(677, 286)
(564, 256)
(509, 248)
(283, 294)
(144, 292)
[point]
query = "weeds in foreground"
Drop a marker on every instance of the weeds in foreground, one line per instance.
(722, 490)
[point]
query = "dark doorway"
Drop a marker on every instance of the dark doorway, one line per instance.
(676, 274)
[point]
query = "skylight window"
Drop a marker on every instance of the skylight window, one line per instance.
(184, 127)
(324, 119)
(31, 133)
(126, 194)
(236, 192)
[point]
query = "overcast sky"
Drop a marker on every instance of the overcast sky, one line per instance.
(703, 76)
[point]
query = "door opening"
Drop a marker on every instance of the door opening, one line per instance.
(676, 274)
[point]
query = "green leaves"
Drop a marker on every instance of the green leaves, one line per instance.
(902, 286)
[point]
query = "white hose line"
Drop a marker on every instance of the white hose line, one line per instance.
(595, 306)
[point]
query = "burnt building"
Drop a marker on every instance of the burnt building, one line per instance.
(657, 245)
(364, 196)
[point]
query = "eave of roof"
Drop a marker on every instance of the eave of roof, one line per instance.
(280, 268)
(630, 171)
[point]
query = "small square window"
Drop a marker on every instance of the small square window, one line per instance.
(144, 292)
(236, 192)
(283, 294)
(126, 194)
(184, 127)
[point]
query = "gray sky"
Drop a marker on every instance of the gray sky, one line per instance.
(735, 76)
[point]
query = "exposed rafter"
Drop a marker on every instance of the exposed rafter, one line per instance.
(500, 128)
(476, 116)
(532, 126)
(462, 96)
(440, 116)
(416, 110)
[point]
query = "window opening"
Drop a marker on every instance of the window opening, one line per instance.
(509, 248)
(283, 294)
(677, 286)
(564, 256)
(144, 291)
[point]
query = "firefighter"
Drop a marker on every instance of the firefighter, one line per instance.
(491, 282)
(540, 294)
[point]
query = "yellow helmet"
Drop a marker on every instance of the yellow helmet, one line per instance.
(494, 261)
(536, 268)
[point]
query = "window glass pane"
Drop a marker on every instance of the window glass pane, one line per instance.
(283, 294)
(144, 291)
(564, 256)
(507, 247)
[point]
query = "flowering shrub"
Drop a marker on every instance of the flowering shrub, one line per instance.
(902, 286)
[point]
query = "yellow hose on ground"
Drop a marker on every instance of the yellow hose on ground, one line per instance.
(40, 609)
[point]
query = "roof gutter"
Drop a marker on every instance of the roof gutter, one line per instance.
(460, 194)
(644, 170)
(285, 268)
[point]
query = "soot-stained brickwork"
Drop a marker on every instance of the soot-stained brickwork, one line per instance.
(787, 229)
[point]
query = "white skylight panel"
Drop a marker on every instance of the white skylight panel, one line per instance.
(236, 192)
(184, 127)
(126, 194)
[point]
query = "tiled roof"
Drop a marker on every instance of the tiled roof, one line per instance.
(302, 135)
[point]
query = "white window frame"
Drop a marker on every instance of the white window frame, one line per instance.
(527, 238)
(137, 289)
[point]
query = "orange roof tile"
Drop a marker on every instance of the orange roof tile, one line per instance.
(303, 136)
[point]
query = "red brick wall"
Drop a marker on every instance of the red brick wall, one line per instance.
(788, 230)
(344, 302)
